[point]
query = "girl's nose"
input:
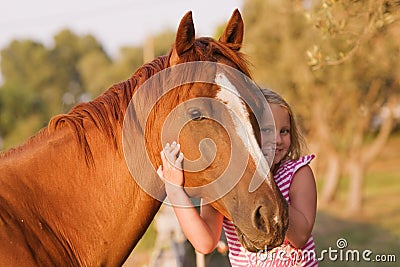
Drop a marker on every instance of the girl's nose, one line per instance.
(278, 138)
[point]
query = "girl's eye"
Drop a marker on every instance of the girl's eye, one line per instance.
(267, 130)
(285, 131)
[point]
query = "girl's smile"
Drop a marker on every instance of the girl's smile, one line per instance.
(282, 131)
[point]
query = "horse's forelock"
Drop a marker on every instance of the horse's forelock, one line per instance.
(208, 49)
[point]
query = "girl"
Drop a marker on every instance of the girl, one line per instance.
(294, 178)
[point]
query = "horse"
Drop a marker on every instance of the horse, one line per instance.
(69, 198)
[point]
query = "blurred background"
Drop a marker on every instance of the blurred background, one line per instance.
(337, 62)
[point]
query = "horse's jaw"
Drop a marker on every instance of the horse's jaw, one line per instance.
(258, 245)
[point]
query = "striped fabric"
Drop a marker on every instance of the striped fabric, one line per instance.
(285, 255)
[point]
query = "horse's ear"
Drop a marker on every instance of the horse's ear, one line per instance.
(233, 33)
(185, 37)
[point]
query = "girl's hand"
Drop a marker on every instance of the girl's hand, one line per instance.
(202, 232)
(172, 159)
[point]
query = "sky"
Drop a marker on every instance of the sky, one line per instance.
(115, 23)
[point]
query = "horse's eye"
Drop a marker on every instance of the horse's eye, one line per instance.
(195, 114)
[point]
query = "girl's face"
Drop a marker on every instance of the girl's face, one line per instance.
(282, 135)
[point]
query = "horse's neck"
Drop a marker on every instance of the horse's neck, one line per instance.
(92, 211)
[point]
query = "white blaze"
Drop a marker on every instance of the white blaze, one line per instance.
(241, 119)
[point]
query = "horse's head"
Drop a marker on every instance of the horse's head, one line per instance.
(211, 107)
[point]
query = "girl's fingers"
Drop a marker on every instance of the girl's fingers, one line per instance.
(167, 162)
(167, 147)
(171, 156)
(160, 172)
(175, 149)
(171, 169)
(163, 157)
(172, 151)
(167, 150)
(179, 159)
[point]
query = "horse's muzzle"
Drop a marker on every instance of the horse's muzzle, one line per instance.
(270, 228)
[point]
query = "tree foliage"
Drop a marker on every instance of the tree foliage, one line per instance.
(348, 25)
(40, 82)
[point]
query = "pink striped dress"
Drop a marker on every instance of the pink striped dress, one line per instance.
(284, 255)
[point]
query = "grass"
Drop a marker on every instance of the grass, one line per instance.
(376, 228)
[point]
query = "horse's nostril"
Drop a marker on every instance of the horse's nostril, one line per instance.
(260, 219)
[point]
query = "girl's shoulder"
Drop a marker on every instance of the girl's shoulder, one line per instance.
(292, 165)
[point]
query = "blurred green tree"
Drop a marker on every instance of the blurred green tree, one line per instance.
(19, 113)
(94, 71)
(40, 82)
(69, 49)
(27, 71)
(163, 42)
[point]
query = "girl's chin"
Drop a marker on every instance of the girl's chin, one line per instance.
(277, 158)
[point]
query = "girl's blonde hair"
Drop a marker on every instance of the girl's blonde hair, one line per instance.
(297, 142)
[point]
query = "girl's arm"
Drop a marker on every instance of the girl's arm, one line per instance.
(204, 230)
(302, 207)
